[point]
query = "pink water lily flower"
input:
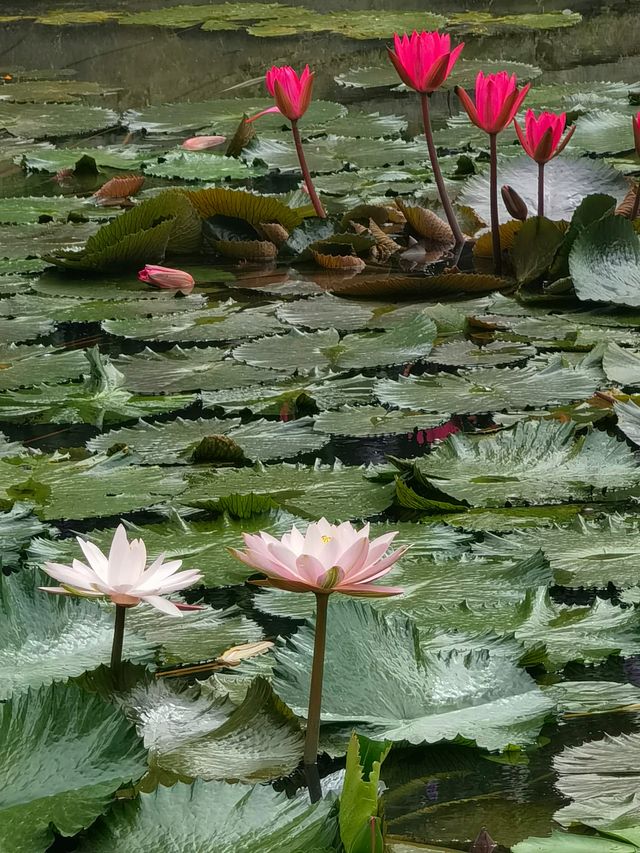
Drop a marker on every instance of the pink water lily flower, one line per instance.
(167, 278)
(497, 100)
(542, 136)
(423, 60)
(200, 143)
(327, 558)
(123, 576)
(636, 132)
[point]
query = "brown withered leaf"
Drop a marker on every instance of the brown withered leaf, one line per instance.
(385, 246)
(274, 232)
(241, 138)
(120, 187)
(397, 286)
(359, 229)
(625, 208)
(426, 223)
(338, 262)
(483, 248)
(364, 212)
(247, 250)
(484, 843)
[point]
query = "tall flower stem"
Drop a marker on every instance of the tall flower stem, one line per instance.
(306, 174)
(118, 639)
(636, 203)
(495, 221)
(540, 189)
(437, 172)
(315, 699)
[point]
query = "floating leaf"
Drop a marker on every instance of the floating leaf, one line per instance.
(535, 462)
(567, 181)
(373, 420)
(53, 121)
(249, 207)
(605, 262)
(64, 754)
(422, 697)
(175, 442)
(25, 365)
(629, 420)
(489, 389)
(466, 354)
(200, 166)
(233, 818)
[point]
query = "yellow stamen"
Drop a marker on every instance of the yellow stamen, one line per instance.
(326, 539)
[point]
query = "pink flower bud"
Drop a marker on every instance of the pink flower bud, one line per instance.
(200, 143)
(167, 278)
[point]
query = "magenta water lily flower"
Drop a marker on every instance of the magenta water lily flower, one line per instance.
(636, 139)
(167, 278)
(292, 93)
(328, 558)
(542, 140)
(497, 100)
(542, 136)
(423, 62)
(201, 143)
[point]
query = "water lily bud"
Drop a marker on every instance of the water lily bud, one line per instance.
(514, 203)
(200, 143)
(167, 278)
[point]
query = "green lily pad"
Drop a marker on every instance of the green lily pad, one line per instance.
(175, 442)
(629, 420)
(335, 492)
(441, 698)
(200, 166)
(567, 182)
(489, 389)
(54, 121)
(64, 755)
(100, 399)
(228, 321)
(233, 818)
(190, 733)
(365, 421)
(408, 341)
(27, 365)
(605, 262)
(534, 463)
(178, 370)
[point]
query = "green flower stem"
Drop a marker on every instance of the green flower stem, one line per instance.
(495, 221)
(636, 203)
(540, 189)
(315, 699)
(118, 639)
(437, 172)
(306, 174)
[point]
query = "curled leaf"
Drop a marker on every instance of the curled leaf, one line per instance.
(426, 287)
(274, 232)
(338, 262)
(217, 448)
(426, 223)
(120, 187)
(241, 138)
(247, 250)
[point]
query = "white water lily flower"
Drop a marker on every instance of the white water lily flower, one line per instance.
(123, 576)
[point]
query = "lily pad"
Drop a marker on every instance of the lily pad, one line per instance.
(534, 463)
(423, 697)
(605, 263)
(54, 121)
(234, 818)
(489, 389)
(567, 182)
(64, 755)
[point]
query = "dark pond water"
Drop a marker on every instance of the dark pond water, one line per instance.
(436, 796)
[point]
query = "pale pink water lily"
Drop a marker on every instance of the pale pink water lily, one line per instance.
(327, 558)
(123, 576)
(201, 143)
(167, 278)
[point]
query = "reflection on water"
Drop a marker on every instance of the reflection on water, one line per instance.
(153, 65)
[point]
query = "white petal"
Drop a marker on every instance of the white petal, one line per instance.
(121, 569)
(96, 559)
(162, 604)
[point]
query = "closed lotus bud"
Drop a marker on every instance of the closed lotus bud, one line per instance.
(201, 143)
(167, 278)
(514, 203)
